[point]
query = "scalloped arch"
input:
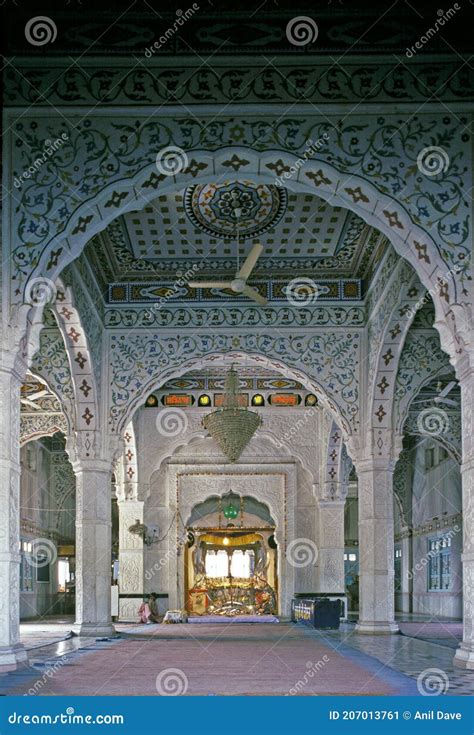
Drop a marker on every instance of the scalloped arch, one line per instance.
(314, 176)
(226, 359)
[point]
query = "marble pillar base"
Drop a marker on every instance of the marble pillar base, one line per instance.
(376, 628)
(11, 657)
(464, 656)
(94, 630)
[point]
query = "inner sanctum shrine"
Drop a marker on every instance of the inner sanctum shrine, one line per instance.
(237, 356)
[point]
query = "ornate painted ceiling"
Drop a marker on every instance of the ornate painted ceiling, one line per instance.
(194, 233)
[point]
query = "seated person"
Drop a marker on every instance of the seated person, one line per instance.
(154, 614)
(144, 612)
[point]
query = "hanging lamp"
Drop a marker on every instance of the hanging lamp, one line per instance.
(232, 426)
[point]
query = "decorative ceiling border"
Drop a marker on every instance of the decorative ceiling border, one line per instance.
(308, 81)
(234, 316)
(337, 289)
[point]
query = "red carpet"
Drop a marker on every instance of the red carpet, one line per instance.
(234, 660)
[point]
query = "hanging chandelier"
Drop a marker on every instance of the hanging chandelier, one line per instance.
(232, 426)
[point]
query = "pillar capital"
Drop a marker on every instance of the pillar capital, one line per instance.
(86, 464)
(374, 464)
(334, 504)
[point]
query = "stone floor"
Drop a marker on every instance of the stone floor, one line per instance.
(238, 658)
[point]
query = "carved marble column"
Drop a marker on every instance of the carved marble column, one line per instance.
(376, 547)
(93, 547)
(331, 546)
(12, 652)
(131, 560)
(464, 656)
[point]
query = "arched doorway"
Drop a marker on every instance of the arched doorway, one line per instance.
(231, 558)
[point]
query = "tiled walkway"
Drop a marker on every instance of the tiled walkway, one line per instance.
(236, 659)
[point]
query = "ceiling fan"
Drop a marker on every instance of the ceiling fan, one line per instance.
(239, 282)
(441, 398)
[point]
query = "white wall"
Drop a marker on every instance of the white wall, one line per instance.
(436, 503)
(47, 511)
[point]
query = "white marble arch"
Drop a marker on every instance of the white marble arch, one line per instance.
(271, 483)
(316, 176)
(239, 358)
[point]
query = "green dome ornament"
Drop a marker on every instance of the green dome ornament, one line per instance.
(230, 512)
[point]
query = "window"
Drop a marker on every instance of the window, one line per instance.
(398, 569)
(443, 454)
(241, 563)
(63, 574)
(43, 568)
(439, 567)
(217, 564)
(26, 570)
(429, 458)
